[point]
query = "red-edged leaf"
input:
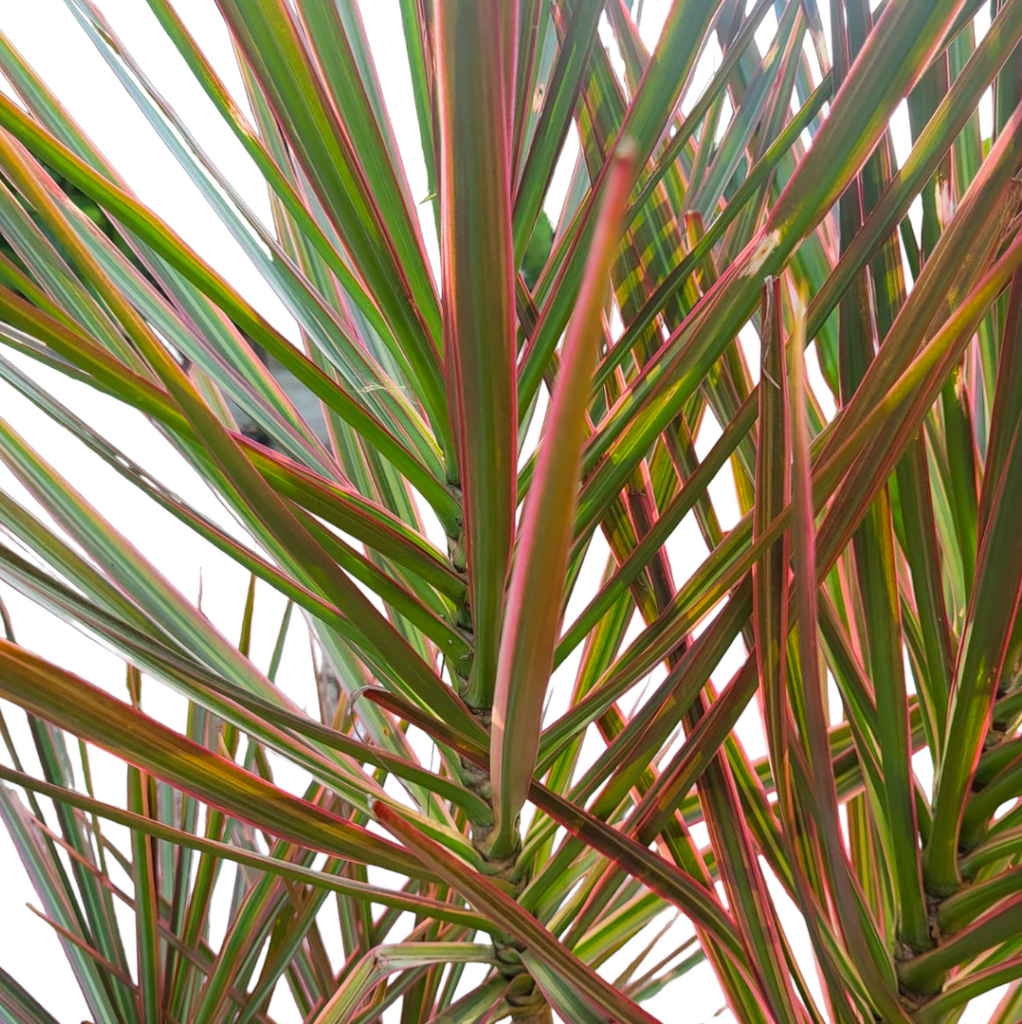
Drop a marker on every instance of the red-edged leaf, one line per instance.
(533, 615)
(488, 899)
(478, 282)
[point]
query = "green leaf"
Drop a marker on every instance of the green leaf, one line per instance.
(377, 227)
(295, 872)
(474, 108)
(816, 743)
(70, 702)
(508, 916)
(770, 576)
(363, 977)
(534, 607)
(18, 1006)
(991, 614)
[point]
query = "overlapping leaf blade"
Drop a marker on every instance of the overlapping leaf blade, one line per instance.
(774, 168)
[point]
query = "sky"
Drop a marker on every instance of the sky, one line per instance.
(46, 34)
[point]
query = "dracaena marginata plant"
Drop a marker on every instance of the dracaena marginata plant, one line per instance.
(526, 712)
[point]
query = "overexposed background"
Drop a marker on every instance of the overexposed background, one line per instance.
(48, 36)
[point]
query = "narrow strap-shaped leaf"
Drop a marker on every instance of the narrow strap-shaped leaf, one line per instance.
(104, 993)
(475, 119)
(379, 230)
(272, 522)
(304, 741)
(601, 648)
(625, 762)
(770, 576)
(337, 37)
(253, 910)
(362, 977)
(71, 703)
(952, 269)
(754, 184)
(948, 118)
(689, 895)
(93, 904)
(150, 986)
(816, 741)
(635, 744)
(18, 1005)
(352, 561)
(708, 185)
(509, 917)
(878, 586)
(297, 873)
(874, 559)
(558, 103)
(907, 399)
(681, 773)
(671, 151)
(992, 608)
(974, 984)
(926, 972)
(534, 58)
(561, 994)
(418, 31)
(49, 268)
(147, 585)
(293, 942)
(478, 1007)
(167, 245)
(355, 514)
(1007, 405)
(909, 36)
(653, 245)
(674, 885)
(650, 112)
(923, 555)
(534, 606)
(284, 191)
(369, 385)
